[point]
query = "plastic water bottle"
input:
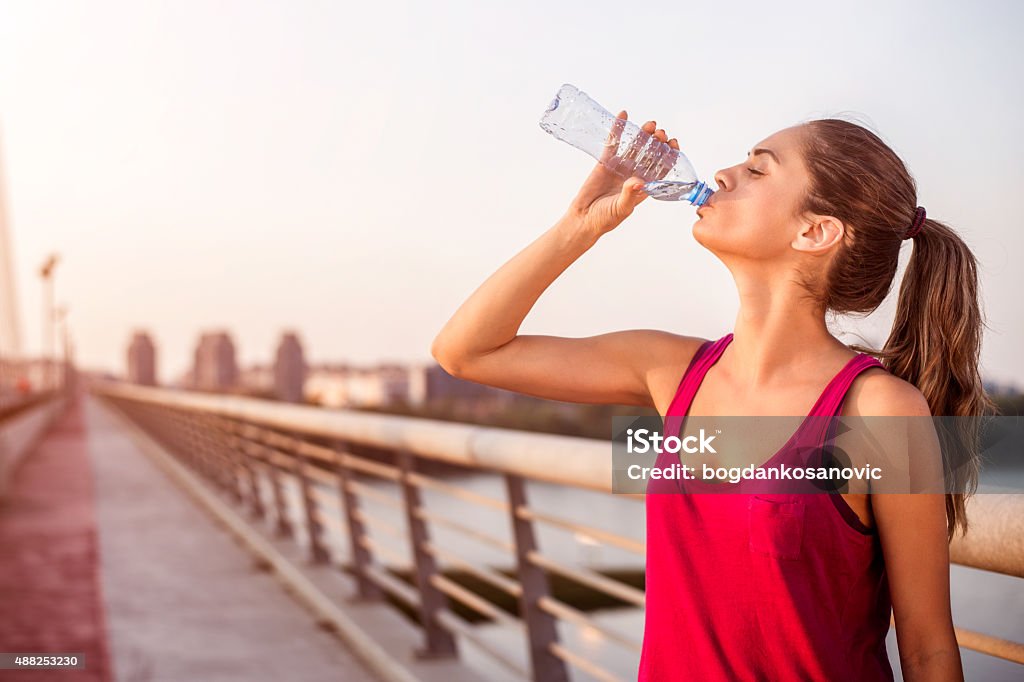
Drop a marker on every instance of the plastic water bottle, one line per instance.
(623, 147)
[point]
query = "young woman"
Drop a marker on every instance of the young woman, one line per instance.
(812, 221)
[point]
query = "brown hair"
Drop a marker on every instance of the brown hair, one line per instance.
(935, 340)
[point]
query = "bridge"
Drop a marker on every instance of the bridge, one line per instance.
(168, 535)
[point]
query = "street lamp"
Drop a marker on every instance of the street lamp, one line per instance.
(60, 314)
(46, 272)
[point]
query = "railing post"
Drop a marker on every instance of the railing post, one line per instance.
(175, 433)
(439, 642)
(255, 500)
(314, 529)
(233, 466)
(282, 526)
(541, 627)
(228, 461)
(203, 431)
(361, 558)
(194, 444)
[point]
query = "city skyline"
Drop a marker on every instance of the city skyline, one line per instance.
(291, 348)
(314, 175)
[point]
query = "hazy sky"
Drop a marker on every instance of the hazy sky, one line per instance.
(356, 171)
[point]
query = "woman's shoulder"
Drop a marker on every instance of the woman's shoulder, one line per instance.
(668, 356)
(878, 393)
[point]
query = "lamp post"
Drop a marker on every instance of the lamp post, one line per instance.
(46, 272)
(60, 314)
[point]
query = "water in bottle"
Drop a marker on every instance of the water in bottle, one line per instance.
(623, 147)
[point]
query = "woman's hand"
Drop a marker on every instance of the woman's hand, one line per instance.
(605, 199)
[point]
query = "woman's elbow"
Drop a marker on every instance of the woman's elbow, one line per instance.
(446, 356)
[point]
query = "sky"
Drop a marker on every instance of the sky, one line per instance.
(355, 171)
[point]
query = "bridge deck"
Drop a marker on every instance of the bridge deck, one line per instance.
(103, 554)
(50, 589)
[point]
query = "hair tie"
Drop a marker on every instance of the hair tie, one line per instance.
(918, 223)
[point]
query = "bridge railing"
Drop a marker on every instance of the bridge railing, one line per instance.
(23, 421)
(255, 449)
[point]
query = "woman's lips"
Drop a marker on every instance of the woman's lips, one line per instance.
(707, 204)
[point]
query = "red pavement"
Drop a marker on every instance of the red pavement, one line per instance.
(50, 591)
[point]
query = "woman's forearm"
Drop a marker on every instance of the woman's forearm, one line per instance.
(492, 315)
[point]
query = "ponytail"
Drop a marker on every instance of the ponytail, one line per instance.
(935, 342)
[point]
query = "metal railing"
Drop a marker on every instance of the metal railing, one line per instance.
(22, 423)
(254, 448)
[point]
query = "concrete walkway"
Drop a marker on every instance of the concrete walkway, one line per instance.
(183, 600)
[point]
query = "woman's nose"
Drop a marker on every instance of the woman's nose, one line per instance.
(721, 180)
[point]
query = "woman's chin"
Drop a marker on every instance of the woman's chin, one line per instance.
(702, 226)
(701, 233)
(711, 236)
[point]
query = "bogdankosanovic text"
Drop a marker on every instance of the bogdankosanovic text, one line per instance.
(781, 472)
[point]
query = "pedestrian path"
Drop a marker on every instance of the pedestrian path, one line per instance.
(184, 601)
(50, 588)
(102, 554)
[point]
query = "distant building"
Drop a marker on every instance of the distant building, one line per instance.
(187, 379)
(215, 367)
(142, 360)
(325, 385)
(440, 385)
(289, 369)
(390, 384)
(358, 387)
(257, 379)
(418, 385)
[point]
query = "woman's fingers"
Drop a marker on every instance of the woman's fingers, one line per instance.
(667, 160)
(625, 161)
(629, 157)
(661, 162)
(611, 145)
(632, 194)
(616, 132)
(655, 161)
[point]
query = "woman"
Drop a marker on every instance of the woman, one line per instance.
(811, 222)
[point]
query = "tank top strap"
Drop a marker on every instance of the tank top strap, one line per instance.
(702, 360)
(831, 399)
(821, 424)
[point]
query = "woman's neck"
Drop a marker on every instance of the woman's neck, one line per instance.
(776, 344)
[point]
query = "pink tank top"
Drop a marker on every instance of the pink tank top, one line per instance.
(761, 587)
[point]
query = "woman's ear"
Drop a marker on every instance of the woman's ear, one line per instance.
(819, 234)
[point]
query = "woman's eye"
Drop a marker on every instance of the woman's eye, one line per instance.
(755, 172)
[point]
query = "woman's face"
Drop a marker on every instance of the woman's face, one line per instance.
(755, 212)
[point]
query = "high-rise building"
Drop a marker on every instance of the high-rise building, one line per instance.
(289, 369)
(215, 367)
(142, 360)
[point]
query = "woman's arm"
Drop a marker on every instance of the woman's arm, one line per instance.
(481, 341)
(912, 530)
